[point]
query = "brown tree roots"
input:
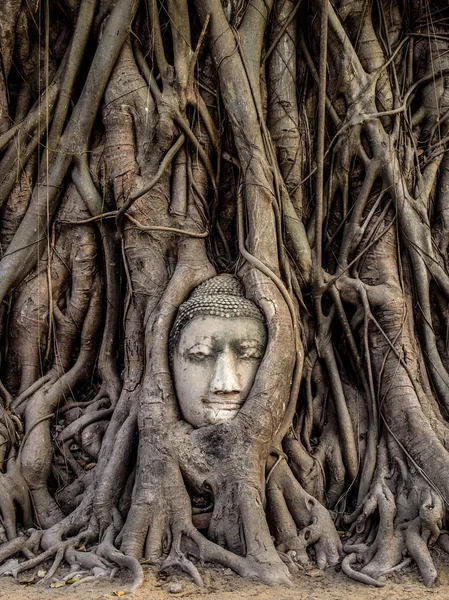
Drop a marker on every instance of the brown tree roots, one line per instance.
(302, 146)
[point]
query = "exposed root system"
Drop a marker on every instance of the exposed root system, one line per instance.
(146, 147)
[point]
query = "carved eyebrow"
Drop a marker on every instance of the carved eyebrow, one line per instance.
(251, 343)
(251, 346)
(198, 341)
(199, 346)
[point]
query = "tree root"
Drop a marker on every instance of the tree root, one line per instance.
(14, 493)
(397, 534)
(54, 567)
(398, 567)
(95, 578)
(57, 550)
(20, 544)
(299, 521)
(178, 560)
(73, 575)
(108, 551)
(246, 566)
(150, 463)
(85, 560)
(346, 567)
(418, 549)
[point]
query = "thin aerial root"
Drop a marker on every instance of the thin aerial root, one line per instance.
(73, 575)
(163, 166)
(30, 390)
(398, 567)
(104, 576)
(356, 575)
(88, 579)
(6, 395)
(58, 559)
(57, 549)
(34, 562)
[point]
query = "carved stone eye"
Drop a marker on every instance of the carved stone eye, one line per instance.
(250, 353)
(199, 354)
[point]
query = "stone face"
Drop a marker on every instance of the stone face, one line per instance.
(214, 366)
(217, 343)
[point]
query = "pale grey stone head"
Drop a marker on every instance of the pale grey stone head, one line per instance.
(216, 345)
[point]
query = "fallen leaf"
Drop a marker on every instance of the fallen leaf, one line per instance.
(41, 573)
(27, 580)
(119, 594)
(442, 577)
(72, 580)
(57, 584)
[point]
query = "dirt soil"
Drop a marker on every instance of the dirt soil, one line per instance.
(223, 584)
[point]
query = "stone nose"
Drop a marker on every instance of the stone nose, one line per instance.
(225, 378)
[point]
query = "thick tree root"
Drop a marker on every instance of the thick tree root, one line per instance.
(153, 157)
(397, 534)
(108, 551)
(245, 566)
(300, 521)
(14, 493)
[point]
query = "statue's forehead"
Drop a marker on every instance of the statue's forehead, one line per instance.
(212, 328)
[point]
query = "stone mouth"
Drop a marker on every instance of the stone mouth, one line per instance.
(223, 403)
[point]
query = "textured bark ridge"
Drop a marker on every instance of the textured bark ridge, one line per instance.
(147, 146)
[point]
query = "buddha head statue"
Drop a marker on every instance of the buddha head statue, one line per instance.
(216, 345)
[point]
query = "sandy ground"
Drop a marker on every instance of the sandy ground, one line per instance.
(222, 584)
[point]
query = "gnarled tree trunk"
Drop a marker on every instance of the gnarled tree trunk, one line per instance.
(146, 147)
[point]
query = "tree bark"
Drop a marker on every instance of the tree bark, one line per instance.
(146, 148)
